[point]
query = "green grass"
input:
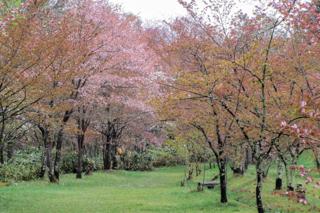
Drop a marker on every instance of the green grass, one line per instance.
(156, 191)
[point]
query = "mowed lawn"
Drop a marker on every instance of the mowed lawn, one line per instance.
(155, 191)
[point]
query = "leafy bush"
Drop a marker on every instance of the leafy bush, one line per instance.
(137, 161)
(167, 156)
(23, 167)
(69, 163)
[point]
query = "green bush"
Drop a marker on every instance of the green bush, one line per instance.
(167, 156)
(137, 161)
(69, 163)
(23, 167)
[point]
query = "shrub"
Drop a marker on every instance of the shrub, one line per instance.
(23, 167)
(137, 161)
(69, 162)
(167, 156)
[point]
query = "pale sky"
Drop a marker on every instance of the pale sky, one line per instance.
(152, 9)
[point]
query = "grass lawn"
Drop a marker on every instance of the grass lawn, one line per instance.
(156, 191)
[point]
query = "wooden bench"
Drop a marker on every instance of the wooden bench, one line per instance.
(209, 184)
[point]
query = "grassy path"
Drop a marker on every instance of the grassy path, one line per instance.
(123, 191)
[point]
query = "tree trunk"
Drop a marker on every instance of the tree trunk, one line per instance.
(80, 150)
(48, 148)
(43, 163)
(1, 153)
(58, 154)
(114, 157)
(259, 189)
(317, 157)
(248, 159)
(223, 181)
(107, 157)
(318, 164)
(9, 150)
(279, 175)
(291, 175)
(237, 170)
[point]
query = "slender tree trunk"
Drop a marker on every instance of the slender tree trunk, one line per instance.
(48, 148)
(2, 142)
(279, 175)
(9, 150)
(259, 174)
(58, 154)
(80, 153)
(1, 153)
(114, 157)
(291, 174)
(318, 163)
(223, 181)
(317, 157)
(248, 160)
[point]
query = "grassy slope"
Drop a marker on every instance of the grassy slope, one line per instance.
(156, 191)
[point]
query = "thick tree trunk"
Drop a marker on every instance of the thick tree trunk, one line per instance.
(223, 181)
(58, 154)
(259, 203)
(43, 163)
(107, 163)
(80, 153)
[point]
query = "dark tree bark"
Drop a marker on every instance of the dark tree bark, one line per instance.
(83, 121)
(248, 159)
(220, 158)
(223, 181)
(48, 149)
(80, 140)
(237, 171)
(278, 183)
(43, 163)
(107, 156)
(58, 154)
(317, 157)
(47, 152)
(114, 157)
(59, 142)
(318, 163)
(259, 174)
(1, 153)
(279, 174)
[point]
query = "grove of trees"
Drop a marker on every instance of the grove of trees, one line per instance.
(81, 78)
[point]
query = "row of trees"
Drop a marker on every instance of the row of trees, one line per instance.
(248, 81)
(73, 71)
